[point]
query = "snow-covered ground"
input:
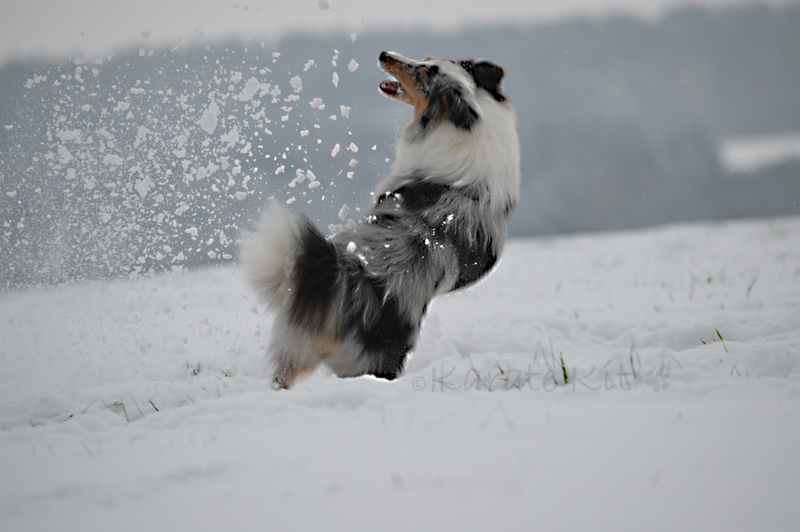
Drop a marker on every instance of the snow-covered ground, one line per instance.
(143, 405)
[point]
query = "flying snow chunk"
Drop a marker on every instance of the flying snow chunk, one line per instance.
(192, 231)
(316, 103)
(353, 163)
(351, 247)
(134, 90)
(353, 37)
(143, 186)
(353, 148)
(335, 150)
(240, 195)
(36, 80)
(73, 134)
(344, 211)
(308, 65)
(208, 122)
(232, 137)
(353, 66)
(64, 156)
(335, 79)
(345, 111)
(250, 88)
(112, 159)
(297, 83)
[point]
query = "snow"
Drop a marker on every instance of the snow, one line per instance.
(254, 86)
(231, 137)
(751, 154)
(143, 186)
(139, 404)
(113, 159)
(65, 136)
(316, 103)
(93, 184)
(296, 83)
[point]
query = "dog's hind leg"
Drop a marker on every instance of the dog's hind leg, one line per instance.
(295, 352)
(285, 374)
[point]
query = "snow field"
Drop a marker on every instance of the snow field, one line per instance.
(633, 380)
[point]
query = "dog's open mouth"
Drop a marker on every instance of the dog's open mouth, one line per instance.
(392, 87)
(400, 83)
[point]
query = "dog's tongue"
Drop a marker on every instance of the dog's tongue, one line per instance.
(391, 86)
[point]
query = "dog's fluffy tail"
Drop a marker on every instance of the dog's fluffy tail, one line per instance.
(268, 255)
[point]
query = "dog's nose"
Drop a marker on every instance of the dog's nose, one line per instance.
(383, 57)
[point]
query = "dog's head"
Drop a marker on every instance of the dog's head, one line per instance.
(441, 90)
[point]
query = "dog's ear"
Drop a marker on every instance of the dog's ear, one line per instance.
(487, 76)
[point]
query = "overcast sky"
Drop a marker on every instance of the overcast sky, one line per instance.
(58, 28)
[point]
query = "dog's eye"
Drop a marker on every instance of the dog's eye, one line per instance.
(432, 71)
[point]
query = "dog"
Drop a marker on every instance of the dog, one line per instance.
(355, 302)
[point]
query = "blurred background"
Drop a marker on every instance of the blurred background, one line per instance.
(138, 138)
